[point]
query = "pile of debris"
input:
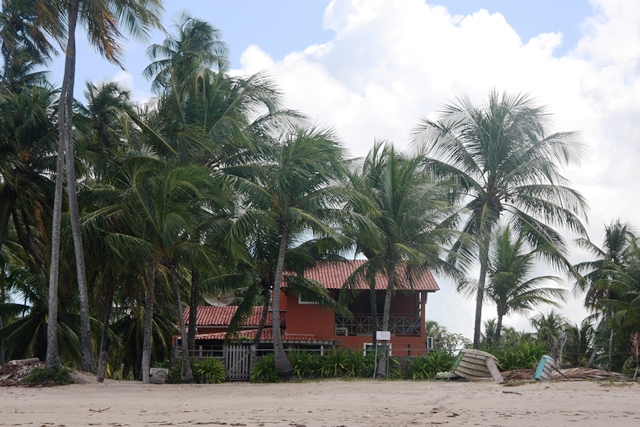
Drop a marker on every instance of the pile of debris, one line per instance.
(564, 374)
(13, 372)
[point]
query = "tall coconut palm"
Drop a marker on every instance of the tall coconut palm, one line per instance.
(196, 47)
(403, 206)
(291, 192)
(596, 281)
(504, 163)
(101, 20)
(511, 285)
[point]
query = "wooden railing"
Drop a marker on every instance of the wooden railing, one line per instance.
(360, 324)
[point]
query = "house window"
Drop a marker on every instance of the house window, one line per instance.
(369, 348)
(303, 301)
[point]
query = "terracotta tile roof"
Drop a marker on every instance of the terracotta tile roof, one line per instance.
(222, 315)
(267, 335)
(333, 275)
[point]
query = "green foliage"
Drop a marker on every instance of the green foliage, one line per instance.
(427, 366)
(335, 364)
(523, 355)
(265, 371)
(209, 371)
(205, 371)
(305, 364)
(48, 377)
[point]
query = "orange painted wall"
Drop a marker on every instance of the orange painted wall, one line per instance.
(312, 319)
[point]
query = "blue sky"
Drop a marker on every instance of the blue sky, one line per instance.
(371, 69)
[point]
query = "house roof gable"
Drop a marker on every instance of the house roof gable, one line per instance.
(333, 276)
(222, 315)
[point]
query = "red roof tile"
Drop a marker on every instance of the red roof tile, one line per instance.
(333, 275)
(222, 315)
(267, 335)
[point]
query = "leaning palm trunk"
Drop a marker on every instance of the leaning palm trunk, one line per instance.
(479, 301)
(283, 365)
(263, 318)
(147, 335)
(102, 360)
(193, 307)
(382, 364)
(186, 375)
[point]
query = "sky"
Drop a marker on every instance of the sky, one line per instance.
(371, 69)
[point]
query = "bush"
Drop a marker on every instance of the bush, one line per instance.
(175, 373)
(209, 371)
(48, 377)
(265, 371)
(427, 366)
(305, 365)
(523, 355)
(335, 364)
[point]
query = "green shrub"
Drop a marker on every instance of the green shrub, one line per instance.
(334, 364)
(175, 373)
(48, 377)
(265, 371)
(394, 372)
(209, 371)
(523, 355)
(305, 364)
(427, 366)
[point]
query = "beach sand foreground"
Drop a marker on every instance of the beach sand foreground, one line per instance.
(325, 403)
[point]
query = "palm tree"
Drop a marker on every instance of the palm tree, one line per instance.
(101, 21)
(548, 327)
(511, 286)
(399, 209)
(597, 274)
(185, 56)
(501, 159)
(291, 193)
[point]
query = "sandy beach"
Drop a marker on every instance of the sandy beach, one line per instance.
(325, 403)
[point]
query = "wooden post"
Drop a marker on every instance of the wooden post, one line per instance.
(493, 369)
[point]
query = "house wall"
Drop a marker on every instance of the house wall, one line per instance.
(313, 319)
(308, 319)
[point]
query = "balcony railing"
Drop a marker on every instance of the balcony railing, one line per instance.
(360, 324)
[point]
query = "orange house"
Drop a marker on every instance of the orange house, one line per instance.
(308, 325)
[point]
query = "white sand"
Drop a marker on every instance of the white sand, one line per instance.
(325, 403)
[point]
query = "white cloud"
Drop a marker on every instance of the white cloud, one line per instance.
(394, 61)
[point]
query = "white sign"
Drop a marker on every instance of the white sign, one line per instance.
(383, 335)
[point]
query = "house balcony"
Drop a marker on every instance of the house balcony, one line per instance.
(360, 324)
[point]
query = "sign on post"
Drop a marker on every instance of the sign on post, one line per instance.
(383, 335)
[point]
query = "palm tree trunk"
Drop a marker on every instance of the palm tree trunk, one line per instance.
(186, 374)
(498, 329)
(283, 364)
(65, 127)
(6, 215)
(193, 307)
(263, 319)
(147, 335)
(382, 365)
(373, 300)
(477, 328)
(66, 138)
(2, 298)
(102, 360)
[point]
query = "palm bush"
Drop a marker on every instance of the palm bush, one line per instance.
(523, 355)
(209, 371)
(334, 364)
(265, 371)
(305, 364)
(427, 366)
